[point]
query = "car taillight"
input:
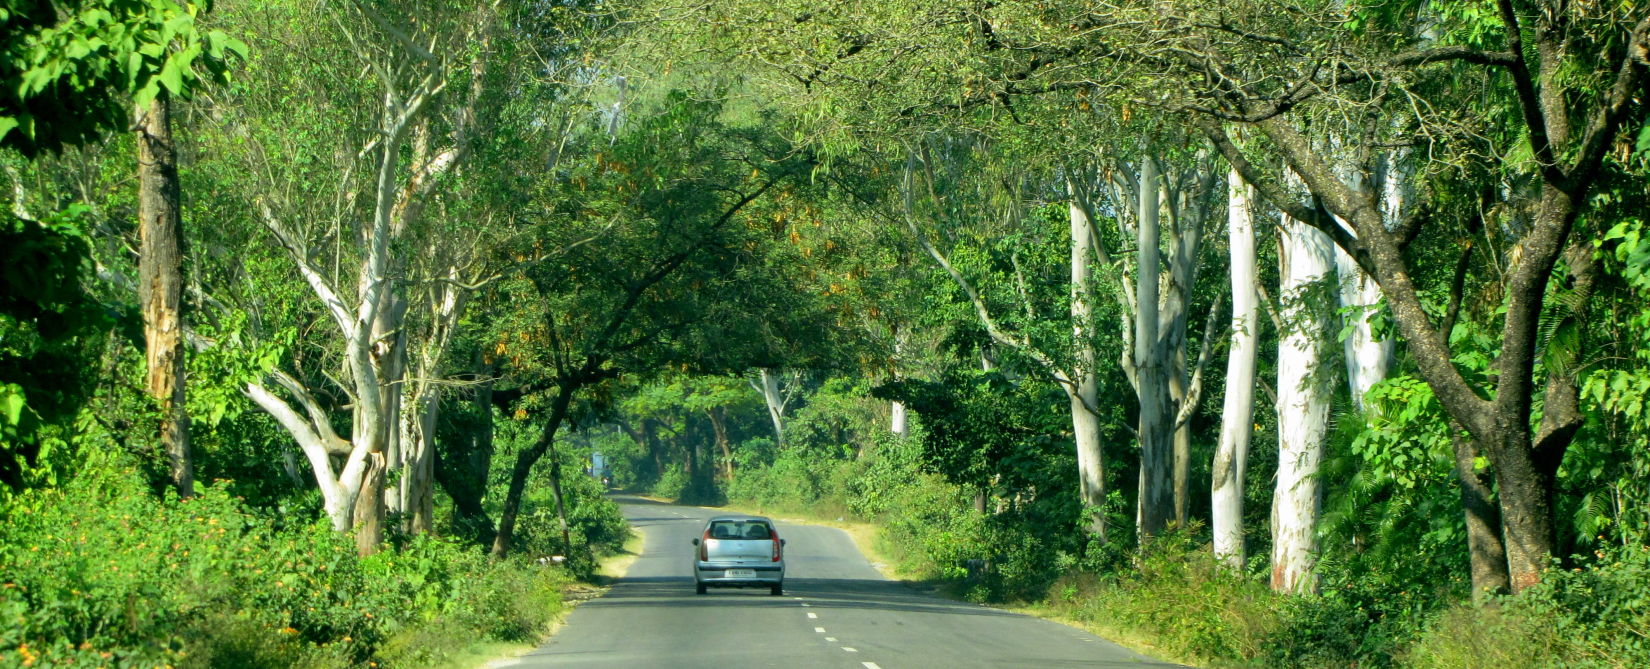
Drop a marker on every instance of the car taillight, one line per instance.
(776, 554)
(703, 541)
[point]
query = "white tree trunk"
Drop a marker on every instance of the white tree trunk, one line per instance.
(1156, 500)
(1237, 412)
(897, 421)
(1367, 357)
(1085, 425)
(775, 403)
(1303, 404)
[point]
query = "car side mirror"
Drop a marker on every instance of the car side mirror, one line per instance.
(781, 542)
(696, 541)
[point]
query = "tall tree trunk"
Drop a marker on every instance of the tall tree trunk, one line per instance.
(1367, 356)
(1156, 502)
(719, 424)
(650, 431)
(775, 402)
(1085, 425)
(898, 422)
(1486, 554)
(1525, 489)
(1303, 406)
(1190, 194)
(1232, 455)
(419, 443)
(369, 506)
(524, 468)
(561, 505)
(160, 285)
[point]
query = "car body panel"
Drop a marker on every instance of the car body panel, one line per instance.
(738, 551)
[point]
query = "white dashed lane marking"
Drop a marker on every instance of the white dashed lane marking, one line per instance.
(871, 665)
(831, 639)
(819, 630)
(850, 650)
(813, 616)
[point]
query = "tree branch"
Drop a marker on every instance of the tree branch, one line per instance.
(1194, 390)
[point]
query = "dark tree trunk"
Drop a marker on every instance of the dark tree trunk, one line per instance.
(1182, 473)
(160, 284)
(462, 465)
(1486, 553)
(719, 424)
(561, 507)
(655, 450)
(1526, 514)
(369, 507)
(524, 468)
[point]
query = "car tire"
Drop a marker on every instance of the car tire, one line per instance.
(699, 588)
(777, 590)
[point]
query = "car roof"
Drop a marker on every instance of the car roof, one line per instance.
(741, 518)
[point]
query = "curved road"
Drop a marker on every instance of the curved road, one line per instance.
(837, 611)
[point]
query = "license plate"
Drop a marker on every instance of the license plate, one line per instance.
(741, 573)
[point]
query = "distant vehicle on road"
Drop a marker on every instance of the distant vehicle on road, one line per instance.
(739, 552)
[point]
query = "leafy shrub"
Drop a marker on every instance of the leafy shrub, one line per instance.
(1186, 601)
(101, 573)
(1584, 617)
(1493, 636)
(672, 483)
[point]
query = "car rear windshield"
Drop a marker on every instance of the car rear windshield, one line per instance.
(740, 529)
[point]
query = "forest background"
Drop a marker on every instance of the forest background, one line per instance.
(315, 314)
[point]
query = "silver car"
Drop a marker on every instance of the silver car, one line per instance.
(739, 552)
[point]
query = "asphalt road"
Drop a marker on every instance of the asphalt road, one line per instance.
(837, 611)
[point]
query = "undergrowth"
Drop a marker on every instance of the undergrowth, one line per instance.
(100, 572)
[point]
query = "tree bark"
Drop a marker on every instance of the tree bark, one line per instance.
(160, 285)
(898, 421)
(561, 506)
(718, 424)
(775, 402)
(524, 468)
(1486, 553)
(1303, 407)
(461, 465)
(1085, 425)
(369, 507)
(1237, 413)
(1156, 501)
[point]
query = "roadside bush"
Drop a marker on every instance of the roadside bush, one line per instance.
(795, 482)
(594, 525)
(1186, 601)
(935, 531)
(1595, 616)
(102, 573)
(672, 483)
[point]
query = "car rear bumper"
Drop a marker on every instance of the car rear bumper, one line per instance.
(714, 573)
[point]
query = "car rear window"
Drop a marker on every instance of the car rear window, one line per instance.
(740, 529)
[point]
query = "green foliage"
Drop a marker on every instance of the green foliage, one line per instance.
(1181, 599)
(982, 430)
(109, 575)
(51, 332)
(69, 65)
(1392, 520)
(1582, 617)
